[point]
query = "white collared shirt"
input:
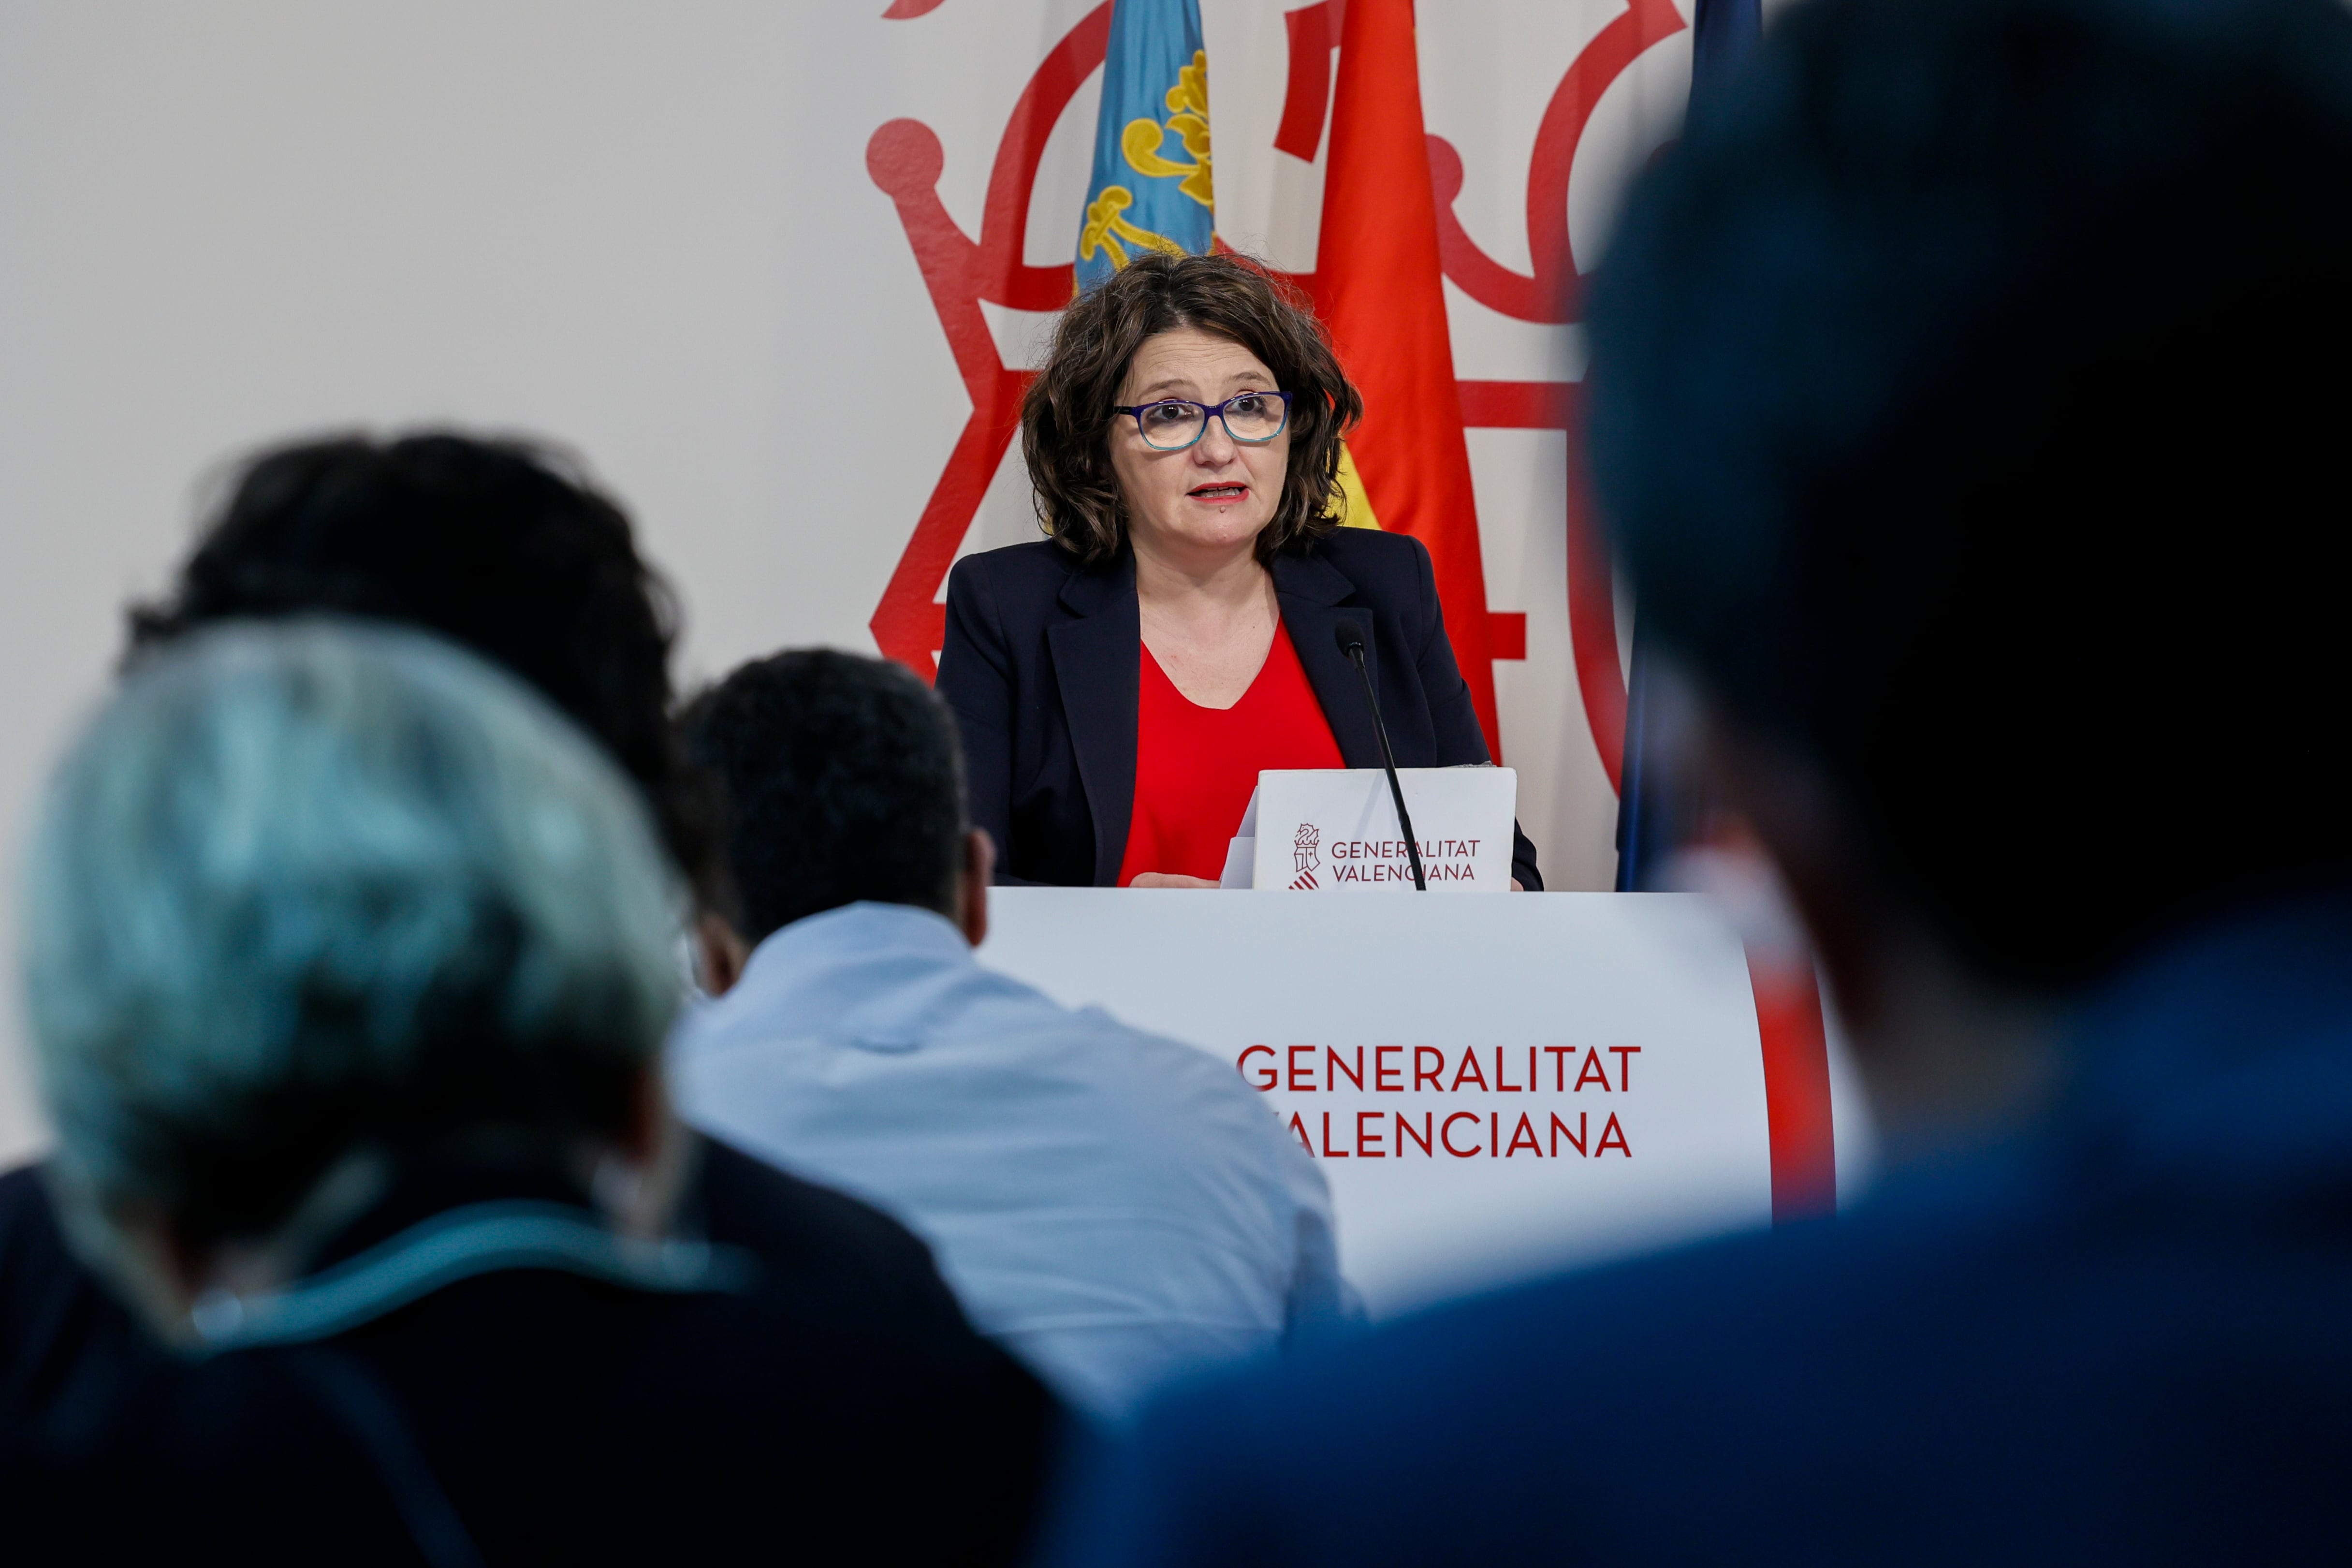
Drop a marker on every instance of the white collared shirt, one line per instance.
(1113, 1207)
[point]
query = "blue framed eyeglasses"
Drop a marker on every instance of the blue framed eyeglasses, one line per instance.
(1173, 423)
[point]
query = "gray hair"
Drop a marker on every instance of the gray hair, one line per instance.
(307, 886)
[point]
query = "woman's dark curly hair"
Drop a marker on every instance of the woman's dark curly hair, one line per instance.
(1066, 419)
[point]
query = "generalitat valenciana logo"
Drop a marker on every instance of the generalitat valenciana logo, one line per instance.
(1303, 855)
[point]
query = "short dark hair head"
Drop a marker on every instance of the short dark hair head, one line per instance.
(504, 546)
(1065, 416)
(842, 782)
(1967, 394)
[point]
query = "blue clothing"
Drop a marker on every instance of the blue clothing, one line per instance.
(1043, 663)
(1110, 1207)
(2124, 1336)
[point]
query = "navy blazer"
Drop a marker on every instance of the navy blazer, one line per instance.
(1044, 656)
(2115, 1336)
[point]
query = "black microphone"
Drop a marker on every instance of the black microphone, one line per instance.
(1352, 643)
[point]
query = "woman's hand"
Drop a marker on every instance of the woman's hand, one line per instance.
(1168, 879)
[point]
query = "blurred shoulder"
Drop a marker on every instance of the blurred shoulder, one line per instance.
(1713, 1334)
(2003, 1352)
(25, 1216)
(34, 1257)
(797, 1224)
(849, 1344)
(62, 1334)
(1670, 1330)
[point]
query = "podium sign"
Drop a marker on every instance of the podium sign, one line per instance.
(1492, 1086)
(1314, 830)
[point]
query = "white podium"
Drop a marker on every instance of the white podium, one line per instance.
(1493, 1086)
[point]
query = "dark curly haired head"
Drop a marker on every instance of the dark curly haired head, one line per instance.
(1066, 417)
(502, 545)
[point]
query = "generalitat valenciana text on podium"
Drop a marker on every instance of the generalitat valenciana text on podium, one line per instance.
(1311, 830)
(1492, 1086)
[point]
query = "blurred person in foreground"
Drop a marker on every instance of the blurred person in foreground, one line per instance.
(349, 964)
(1111, 1206)
(505, 547)
(1966, 390)
(501, 545)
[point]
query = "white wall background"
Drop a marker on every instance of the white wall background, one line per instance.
(648, 230)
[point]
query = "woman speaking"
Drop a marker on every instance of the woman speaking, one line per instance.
(1120, 683)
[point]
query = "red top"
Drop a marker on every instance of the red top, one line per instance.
(1195, 766)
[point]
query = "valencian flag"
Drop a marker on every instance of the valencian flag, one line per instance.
(1151, 185)
(1378, 286)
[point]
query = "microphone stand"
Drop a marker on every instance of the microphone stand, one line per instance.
(1352, 643)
